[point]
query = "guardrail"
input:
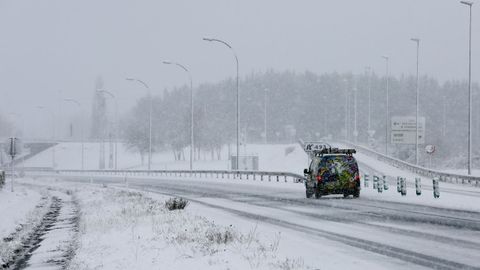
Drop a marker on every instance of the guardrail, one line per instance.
(224, 174)
(442, 176)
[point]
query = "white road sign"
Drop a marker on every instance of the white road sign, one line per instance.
(403, 130)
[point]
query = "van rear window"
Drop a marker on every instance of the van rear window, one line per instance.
(338, 165)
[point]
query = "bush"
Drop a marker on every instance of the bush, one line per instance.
(176, 204)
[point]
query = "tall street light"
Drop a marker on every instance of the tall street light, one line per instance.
(417, 41)
(355, 130)
(265, 115)
(238, 104)
(346, 109)
(469, 166)
(53, 131)
(191, 107)
(110, 94)
(368, 71)
(387, 104)
(149, 119)
(76, 102)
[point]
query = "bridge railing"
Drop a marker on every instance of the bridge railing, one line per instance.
(224, 174)
(419, 170)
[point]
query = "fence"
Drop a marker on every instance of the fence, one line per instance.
(442, 176)
(224, 174)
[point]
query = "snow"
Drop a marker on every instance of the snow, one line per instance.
(131, 229)
(15, 207)
(463, 172)
(68, 156)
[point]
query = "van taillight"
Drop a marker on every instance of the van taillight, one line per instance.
(357, 177)
(319, 178)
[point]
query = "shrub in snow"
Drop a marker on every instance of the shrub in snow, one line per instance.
(176, 204)
(219, 235)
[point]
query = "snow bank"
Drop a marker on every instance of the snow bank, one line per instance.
(20, 212)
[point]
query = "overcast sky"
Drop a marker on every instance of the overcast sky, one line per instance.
(47, 46)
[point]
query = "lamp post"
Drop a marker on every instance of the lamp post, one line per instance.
(115, 124)
(368, 71)
(346, 109)
(191, 107)
(76, 102)
(53, 131)
(387, 104)
(265, 114)
(149, 119)
(417, 41)
(355, 130)
(469, 163)
(238, 104)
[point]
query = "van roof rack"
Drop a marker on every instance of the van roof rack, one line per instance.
(331, 150)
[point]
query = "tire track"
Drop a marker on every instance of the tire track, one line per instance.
(50, 243)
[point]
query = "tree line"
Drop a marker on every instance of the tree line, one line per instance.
(308, 106)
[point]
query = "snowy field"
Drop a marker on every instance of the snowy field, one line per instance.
(271, 157)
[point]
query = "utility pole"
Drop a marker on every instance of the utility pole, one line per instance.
(417, 41)
(387, 113)
(469, 163)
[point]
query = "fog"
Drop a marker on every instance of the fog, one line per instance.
(52, 50)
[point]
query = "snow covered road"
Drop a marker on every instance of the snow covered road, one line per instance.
(361, 230)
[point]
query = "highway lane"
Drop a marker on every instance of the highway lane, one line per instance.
(417, 234)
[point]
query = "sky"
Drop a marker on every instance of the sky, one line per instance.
(55, 49)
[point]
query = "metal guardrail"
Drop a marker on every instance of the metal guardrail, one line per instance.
(224, 174)
(444, 177)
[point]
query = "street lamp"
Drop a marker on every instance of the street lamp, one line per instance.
(346, 109)
(417, 41)
(368, 71)
(191, 107)
(149, 119)
(469, 165)
(238, 104)
(76, 102)
(265, 115)
(355, 130)
(115, 123)
(387, 104)
(53, 131)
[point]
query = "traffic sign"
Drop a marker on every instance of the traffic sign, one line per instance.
(13, 148)
(407, 123)
(430, 149)
(403, 130)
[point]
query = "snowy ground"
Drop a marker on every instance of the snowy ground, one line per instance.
(377, 231)
(374, 232)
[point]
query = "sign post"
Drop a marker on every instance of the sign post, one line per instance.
(430, 149)
(12, 152)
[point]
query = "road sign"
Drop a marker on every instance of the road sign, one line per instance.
(430, 149)
(403, 130)
(13, 147)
